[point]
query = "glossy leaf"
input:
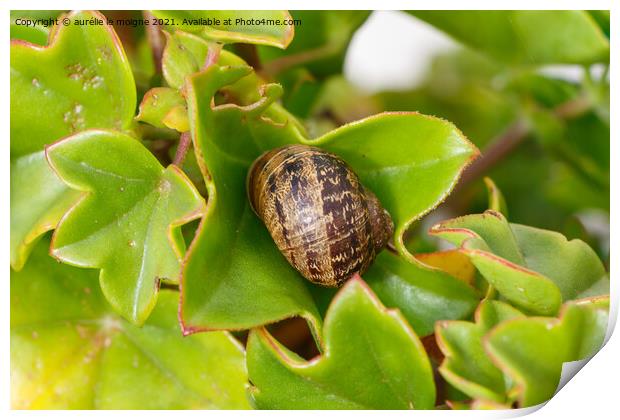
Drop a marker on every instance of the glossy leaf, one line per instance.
(497, 202)
(163, 107)
(532, 350)
(452, 262)
(525, 36)
(466, 365)
(578, 269)
(81, 80)
(533, 268)
(126, 221)
(70, 351)
(432, 153)
(33, 34)
(230, 29)
(234, 276)
(372, 359)
(228, 137)
(423, 295)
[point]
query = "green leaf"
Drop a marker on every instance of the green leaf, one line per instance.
(81, 80)
(572, 265)
(525, 36)
(319, 45)
(38, 201)
(33, 34)
(229, 137)
(532, 350)
(70, 351)
(234, 277)
(497, 202)
(524, 288)
(126, 221)
(466, 365)
(246, 26)
(159, 105)
(603, 19)
(423, 295)
(372, 360)
(533, 268)
(452, 262)
(432, 153)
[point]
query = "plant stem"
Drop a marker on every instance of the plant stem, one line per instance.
(498, 149)
(573, 108)
(185, 141)
(278, 65)
(250, 54)
(213, 54)
(514, 135)
(156, 41)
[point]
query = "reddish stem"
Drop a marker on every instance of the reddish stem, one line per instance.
(156, 41)
(213, 54)
(185, 141)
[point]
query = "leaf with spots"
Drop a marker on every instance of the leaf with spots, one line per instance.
(81, 80)
(69, 350)
(127, 220)
(534, 269)
(372, 359)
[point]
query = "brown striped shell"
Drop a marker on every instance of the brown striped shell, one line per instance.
(324, 221)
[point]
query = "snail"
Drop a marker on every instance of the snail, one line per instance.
(324, 221)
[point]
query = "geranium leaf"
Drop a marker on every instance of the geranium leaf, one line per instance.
(432, 153)
(81, 80)
(38, 201)
(533, 268)
(452, 262)
(423, 295)
(230, 29)
(525, 288)
(578, 269)
(228, 137)
(372, 359)
(69, 350)
(234, 276)
(157, 104)
(125, 223)
(525, 36)
(532, 350)
(466, 366)
(33, 34)
(177, 118)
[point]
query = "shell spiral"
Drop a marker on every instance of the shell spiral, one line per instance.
(324, 221)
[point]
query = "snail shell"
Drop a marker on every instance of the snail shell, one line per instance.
(324, 221)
